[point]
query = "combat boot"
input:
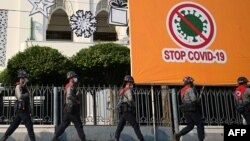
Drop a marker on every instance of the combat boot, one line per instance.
(4, 138)
(176, 137)
(33, 139)
(83, 139)
(55, 139)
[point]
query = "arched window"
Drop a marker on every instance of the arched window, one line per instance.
(59, 26)
(104, 31)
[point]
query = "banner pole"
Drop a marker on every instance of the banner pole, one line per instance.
(153, 112)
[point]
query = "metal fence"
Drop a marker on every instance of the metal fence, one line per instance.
(217, 106)
(41, 104)
(98, 105)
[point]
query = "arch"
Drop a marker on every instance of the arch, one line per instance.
(102, 5)
(104, 31)
(58, 27)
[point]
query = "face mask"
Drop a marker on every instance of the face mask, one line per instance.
(26, 81)
(131, 86)
(75, 80)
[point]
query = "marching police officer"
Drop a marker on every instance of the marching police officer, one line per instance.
(127, 109)
(71, 110)
(22, 108)
(242, 94)
(190, 110)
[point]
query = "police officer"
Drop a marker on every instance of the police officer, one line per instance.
(71, 110)
(242, 94)
(22, 108)
(127, 109)
(191, 112)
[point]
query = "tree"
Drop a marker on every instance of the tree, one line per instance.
(43, 64)
(104, 63)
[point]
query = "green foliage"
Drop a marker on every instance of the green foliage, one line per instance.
(104, 63)
(4, 77)
(43, 64)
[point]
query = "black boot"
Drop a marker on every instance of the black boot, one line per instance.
(55, 138)
(4, 138)
(33, 139)
(177, 137)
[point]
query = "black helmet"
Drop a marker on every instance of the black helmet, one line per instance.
(242, 80)
(188, 80)
(128, 78)
(71, 74)
(22, 74)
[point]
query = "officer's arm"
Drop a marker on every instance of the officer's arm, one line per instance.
(18, 92)
(246, 96)
(191, 94)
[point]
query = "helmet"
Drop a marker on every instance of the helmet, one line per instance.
(128, 78)
(242, 80)
(188, 80)
(22, 74)
(71, 74)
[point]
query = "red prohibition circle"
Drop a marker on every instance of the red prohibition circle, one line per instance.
(207, 40)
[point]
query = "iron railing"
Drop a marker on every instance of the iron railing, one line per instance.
(217, 106)
(98, 105)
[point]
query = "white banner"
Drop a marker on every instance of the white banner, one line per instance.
(3, 36)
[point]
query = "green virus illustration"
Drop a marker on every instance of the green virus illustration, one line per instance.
(198, 22)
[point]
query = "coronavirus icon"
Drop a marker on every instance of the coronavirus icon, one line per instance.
(191, 26)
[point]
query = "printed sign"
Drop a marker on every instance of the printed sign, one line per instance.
(173, 39)
(193, 28)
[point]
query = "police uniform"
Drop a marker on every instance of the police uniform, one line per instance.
(246, 99)
(192, 113)
(22, 110)
(127, 113)
(71, 112)
(242, 94)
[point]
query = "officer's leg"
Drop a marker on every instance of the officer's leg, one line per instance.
(120, 127)
(61, 128)
(190, 124)
(246, 116)
(200, 126)
(78, 125)
(29, 125)
(13, 125)
(132, 120)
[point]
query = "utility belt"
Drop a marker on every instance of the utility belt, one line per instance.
(189, 107)
(71, 108)
(243, 107)
(125, 107)
(21, 106)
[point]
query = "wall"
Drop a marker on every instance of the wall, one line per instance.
(19, 27)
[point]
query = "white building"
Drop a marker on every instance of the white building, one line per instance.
(20, 30)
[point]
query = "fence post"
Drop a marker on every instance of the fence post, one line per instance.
(165, 104)
(55, 94)
(112, 109)
(153, 111)
(175, 113)
(94, 108)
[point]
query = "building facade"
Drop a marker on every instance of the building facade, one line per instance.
(20, 28)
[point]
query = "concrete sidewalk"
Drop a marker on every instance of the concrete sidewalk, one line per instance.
(93, 133)
(106, 133)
